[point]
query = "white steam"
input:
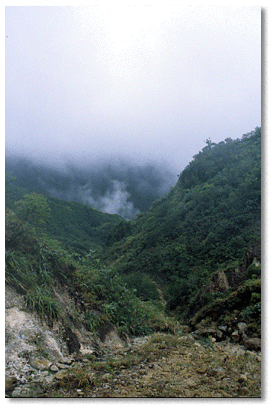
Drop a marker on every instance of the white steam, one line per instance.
(115, 201)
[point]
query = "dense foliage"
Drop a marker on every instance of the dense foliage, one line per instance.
(76, 226)
(36, 265)
(210, 220)
(207, 228)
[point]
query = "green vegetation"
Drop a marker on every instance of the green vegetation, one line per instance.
(36, 265)
(210, 220)
(92, 182)
(197, 250)
(76, 226)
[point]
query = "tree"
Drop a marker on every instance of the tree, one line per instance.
(9, 178)
(30, 212)
(33, 208)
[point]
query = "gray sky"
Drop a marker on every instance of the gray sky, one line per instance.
(144, 83)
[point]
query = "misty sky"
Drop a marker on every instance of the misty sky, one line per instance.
(143, 83)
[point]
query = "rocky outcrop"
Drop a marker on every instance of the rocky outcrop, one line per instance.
(237, 334)
(218, 282)
(237, 301)
(35, 349)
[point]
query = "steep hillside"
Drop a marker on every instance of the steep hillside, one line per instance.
(38, 267)
(78, 227)
(81, 283)
(210, 222)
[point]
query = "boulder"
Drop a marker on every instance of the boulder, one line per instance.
(223, 328)
(218, 371)
(243, 391)
(207, 332)
(243, 337)
(235, 336)
(242, 327)
(242, 378)
(40, 363)
(10, 381)
(54, 368)
(253, 344)
(219, 334)
(61, 374)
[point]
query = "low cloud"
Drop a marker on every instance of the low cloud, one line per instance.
(116, 187)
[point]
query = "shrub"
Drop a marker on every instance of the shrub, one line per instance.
(19, 273)
(40, 300)
(253, 270)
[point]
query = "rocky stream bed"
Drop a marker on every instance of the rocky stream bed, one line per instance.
(158, 366)
(66, 361)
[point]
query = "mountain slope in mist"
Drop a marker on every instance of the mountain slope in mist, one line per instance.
(209, 222)
(115, 188)
(195, 254)
(79, 228)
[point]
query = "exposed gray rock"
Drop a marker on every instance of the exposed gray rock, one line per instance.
(218, 371)
(9, 382)
(12, 298)
(242, 327)
(253, 344)
(204, 333)
(223, 328)
(235, 336)
(39, 363)
(67, 360)
(63, 366)
(61, 374)
(32, 346)
(242, 378)
(219, 334)
(54, 368)
(31, 390)
(27, 337)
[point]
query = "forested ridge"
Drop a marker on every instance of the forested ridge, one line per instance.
(209, 221)
(195, 255)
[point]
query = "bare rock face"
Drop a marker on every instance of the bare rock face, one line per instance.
(33, 347)
(28, 341)
(109, 336)
(218, 282)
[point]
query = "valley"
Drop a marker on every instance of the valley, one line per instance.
(165, 304)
